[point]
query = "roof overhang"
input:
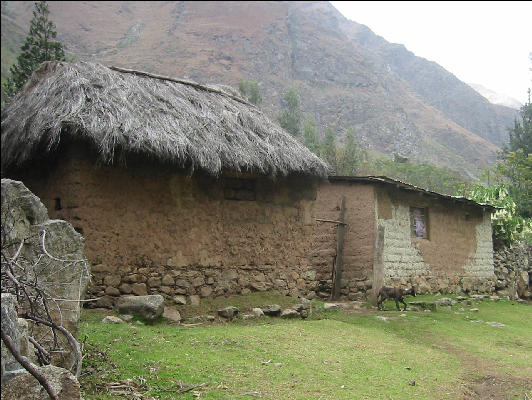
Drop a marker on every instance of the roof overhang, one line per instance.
(411, 188)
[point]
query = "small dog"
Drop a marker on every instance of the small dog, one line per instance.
(397, 294)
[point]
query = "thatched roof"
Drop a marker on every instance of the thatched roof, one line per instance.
(176, 121)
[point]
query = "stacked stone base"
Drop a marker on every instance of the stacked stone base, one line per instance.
(350, 289)
(203, 282)
(210, 282)
(446, 285)
(513, 270)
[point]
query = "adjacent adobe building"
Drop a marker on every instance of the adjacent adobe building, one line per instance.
(398, 234)
(186, 189)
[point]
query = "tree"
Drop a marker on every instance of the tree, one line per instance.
(516, 165)
(38, 47)
(310, 135)
(521, 133)
(242, 88)
(351, 156)
(516, 168)
(290, 118)
(508, 226)
(250, 90)
(328, 150)
(427, 176)
(254, 96)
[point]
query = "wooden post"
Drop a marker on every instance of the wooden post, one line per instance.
(378, 265)
(337, 267)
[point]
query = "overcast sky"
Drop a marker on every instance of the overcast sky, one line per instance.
(486, 43)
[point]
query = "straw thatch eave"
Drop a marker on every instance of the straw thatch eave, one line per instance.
(175, 121)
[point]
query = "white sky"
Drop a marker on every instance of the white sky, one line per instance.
(486, 42)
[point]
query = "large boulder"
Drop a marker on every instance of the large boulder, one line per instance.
(55, 254)
(25, 386)
(21, 209)
(273, 310)
(289, 313)
(148, 307)
(228, 312)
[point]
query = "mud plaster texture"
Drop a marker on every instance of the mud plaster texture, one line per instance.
(151, 230)
(358, 253)
(457, 255)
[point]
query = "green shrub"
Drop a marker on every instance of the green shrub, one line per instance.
(508, 226)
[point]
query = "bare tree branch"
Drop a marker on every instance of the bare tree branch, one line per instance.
(28, 271)
(42, 354)
(73, 342)
(28, 366)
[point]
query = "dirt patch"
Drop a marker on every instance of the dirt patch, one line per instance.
(497, 387)
(484, 381)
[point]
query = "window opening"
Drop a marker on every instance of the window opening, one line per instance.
(419, 222)
(239, 189)
(58, 204)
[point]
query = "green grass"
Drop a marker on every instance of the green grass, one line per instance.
(330, 356)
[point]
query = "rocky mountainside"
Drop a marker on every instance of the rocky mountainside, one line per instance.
(347, 75)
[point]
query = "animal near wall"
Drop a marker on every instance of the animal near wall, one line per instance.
(151, 230)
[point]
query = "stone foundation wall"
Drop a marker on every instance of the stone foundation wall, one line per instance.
(203, 282)
(513, 269)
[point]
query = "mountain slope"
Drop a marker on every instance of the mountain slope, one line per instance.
(347, 76)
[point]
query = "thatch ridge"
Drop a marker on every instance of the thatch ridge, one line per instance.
(183, 81)
(172, 120)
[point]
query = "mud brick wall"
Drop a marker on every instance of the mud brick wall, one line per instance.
(149, 229)
(357, 272)
(457, 255)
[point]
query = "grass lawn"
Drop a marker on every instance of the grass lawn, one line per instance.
(332, 355)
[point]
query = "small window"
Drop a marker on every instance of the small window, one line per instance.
(239, 189)
(58, 205)
(419, 222)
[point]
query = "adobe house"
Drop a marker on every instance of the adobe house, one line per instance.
(187, 189)
(399, 234)
(178, 188)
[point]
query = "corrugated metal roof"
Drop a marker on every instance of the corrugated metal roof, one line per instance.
(412, 188)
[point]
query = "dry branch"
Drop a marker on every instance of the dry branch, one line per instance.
(28, 366)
